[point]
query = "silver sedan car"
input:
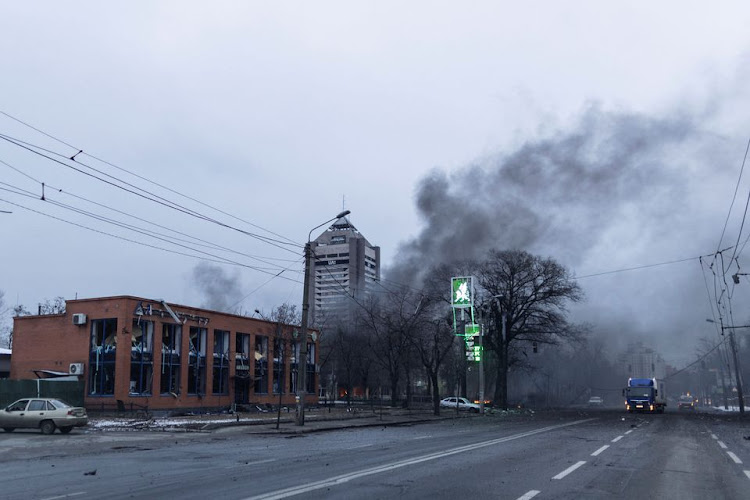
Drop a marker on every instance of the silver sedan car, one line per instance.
(46, 414)
(460, 403)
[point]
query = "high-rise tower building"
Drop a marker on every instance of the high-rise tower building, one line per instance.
(345, 267)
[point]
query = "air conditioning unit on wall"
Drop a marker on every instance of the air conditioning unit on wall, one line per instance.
(79, 319)
(76, 369)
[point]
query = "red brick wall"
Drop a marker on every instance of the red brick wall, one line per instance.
(52, 342)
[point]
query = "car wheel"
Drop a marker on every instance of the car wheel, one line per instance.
(9, 429)
(47, 427)
(65, 430)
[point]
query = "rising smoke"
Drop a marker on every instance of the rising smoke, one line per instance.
(616, 189)
(219, 290)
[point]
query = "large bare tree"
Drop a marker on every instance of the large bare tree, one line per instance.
(527, 299)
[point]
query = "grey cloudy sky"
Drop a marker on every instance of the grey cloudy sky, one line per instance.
(607, 136)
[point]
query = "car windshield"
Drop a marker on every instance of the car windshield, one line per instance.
(686, 399)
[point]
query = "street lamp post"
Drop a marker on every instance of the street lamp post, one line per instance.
(737, 374)
(302, 362)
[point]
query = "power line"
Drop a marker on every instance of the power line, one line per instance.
(131, 188)
(635, 268)
(135, 228)
(80, 150)
(219, 260)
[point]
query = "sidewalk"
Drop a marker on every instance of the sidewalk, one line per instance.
(316, 420)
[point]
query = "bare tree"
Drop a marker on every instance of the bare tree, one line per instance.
(527, 296)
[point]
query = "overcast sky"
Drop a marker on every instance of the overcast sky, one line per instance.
(606, 136)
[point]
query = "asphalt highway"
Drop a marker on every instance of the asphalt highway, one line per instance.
(549, 454)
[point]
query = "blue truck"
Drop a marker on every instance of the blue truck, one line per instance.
(645, 394)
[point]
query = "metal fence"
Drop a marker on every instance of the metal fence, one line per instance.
(70, 391)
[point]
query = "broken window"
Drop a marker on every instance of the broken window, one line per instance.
(278, 365)
(310, 375)
(197, 361)
(170, 359)
(242, 353)
(141, 357)
(293, 367)
(102, 354)
(261, 364)
(242, 368)
(221, 362)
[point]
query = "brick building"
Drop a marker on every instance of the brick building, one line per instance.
(137, 352)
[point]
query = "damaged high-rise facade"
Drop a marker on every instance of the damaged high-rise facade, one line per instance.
(139, 353)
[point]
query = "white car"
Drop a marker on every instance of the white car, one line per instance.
(462, 403)
(46, 414)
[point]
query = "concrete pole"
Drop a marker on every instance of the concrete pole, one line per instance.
(302, 362)
(737, 374)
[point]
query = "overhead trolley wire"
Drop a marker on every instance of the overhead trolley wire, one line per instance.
(152, 197)
(81, 151)
(217, 259)
(136, 228)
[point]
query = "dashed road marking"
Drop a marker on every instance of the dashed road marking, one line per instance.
(747, 473)
(721, 443)
(734, 457)
(351, 476)
(631, 430)
(569, 470)
(529, 494)
(714, 436)
(69, 495)
(617, 439)
(596, 453)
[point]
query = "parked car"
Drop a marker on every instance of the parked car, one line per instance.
(686, 403)
(46, 414)
(462, 403)
(595, 401)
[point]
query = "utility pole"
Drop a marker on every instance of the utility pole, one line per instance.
(737, 373)
(302, 362)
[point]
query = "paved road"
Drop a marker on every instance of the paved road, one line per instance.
(582, 454)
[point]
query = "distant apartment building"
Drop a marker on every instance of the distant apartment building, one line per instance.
(639, 361)
(345, 266)
(137, 352)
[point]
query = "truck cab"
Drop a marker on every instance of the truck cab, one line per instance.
(644, 394)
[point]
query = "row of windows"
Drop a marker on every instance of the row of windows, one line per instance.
(103, 350)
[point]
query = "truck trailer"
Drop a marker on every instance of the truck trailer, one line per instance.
(645, 394)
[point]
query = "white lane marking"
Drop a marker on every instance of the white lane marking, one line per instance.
(617, 439)
(631, 430)
(747, 473)
(420, 437)
(734, 457)
(78, 493)
(529, 495)
(344, 478)
(257, 462)
(723, 446)
(714, 436)
(362, 446)
(596, 453)
(569, 470)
